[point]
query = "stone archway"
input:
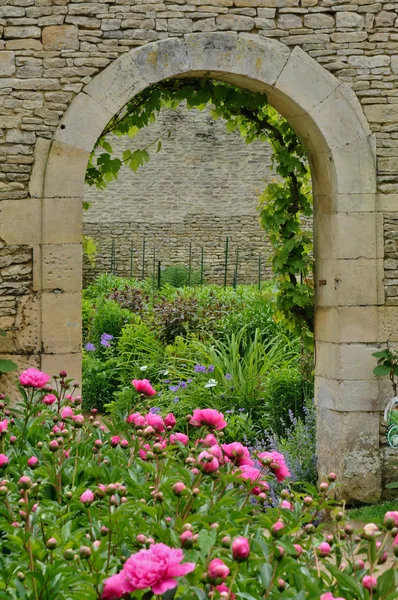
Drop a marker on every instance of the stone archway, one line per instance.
(327, 116)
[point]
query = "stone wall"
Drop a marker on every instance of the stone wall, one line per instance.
(202, 186)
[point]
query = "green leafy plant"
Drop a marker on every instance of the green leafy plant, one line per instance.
(283, 206)
(179, 276)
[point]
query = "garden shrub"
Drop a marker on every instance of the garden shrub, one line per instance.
(179, 276)
(139, 510)
(99, 380)
(108, 318)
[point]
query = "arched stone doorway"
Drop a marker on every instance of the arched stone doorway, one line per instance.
(327, 116)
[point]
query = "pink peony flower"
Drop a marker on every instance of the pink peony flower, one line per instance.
(114, 587)
(155, 421)
(3, 461)
(155, 568)
(49, 399)
(3, 426)
(66, 413)
(115, 441)
(217, 569)
(369, 582)
(276, 464)
(329, 596)
(179, 437)
(208, 417)
(208, 462)
(210, 440)
(217, 453)
(170, 420)
(143, 386)
(33, 462)
(286, 504)
(237, 453)
(253, 475)
(34, 378)
(240, 549)
(87, 497)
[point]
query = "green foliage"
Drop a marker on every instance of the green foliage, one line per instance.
(99, 380)
(373, 513)
(7, 366)
(283, 205)
(179, 276)
(89, 249)
(109, 318)
(387, 364)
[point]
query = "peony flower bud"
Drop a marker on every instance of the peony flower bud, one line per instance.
(370, 531)
(33, 462)
(25, 482)
(87, 498)
(186, 539)
(217, 570)
(324, 549)
(332, 476)
(240, 549)
(85, 551)
(277, 529)
(391, 519)
(178, 488)
(51, 543)
(369, 582)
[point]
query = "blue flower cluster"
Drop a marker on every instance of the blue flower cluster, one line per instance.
(106, 338)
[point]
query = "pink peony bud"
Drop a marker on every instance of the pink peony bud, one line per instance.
(369, 582)
(178, 488)
(298, 548)
(324, 549)
(115, 440)
(4, 460)
(179, 437)
(187, 539)
(66, 413)
(170, 420)
(286, 504)
(49, 399)
(51, 543)
(391, 519)
(3, 426)
(13, 439)
(87, 497)
(33, 462)
(370, 530)
(124, 444)
(53, 445)
(217, 570)
(277, 529)
(143, 386)
(332, 476)
(308, 500)
(25, 482)
(208, 462)
(240, 549)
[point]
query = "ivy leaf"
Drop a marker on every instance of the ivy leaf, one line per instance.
(381, 370)
(7, 366)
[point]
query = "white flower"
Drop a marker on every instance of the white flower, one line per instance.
(144, 368)
(211, 383)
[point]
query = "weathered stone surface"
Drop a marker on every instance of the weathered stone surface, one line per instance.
(22, 32)
(319, 21)
(7, 64)
(235, 23)
(60, 37)
(349, 20)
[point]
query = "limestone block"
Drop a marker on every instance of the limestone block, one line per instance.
(327, 324)
(357, 324)
(355, 167)
(213, 52)
(24, 44)
(83, 123)
(62, 267)
(7, 63)
(289, 21)
(180, 25)
(62, 220)
(355, 202)
(326, 360)
(349, 19)
(22, 32)
(163, 59)
(252, 58)
(53, 364)
(36, 181)
(26, 335)
(369, 62)
(20, 221)
(65, 172)
(356, 282)
(233, 22)
(61, 37)
(305, 82)
(348, 395)
(355, 236)
(116, 85)
(356, 362)
(319, 21)
(208, 24)
(326, 282)
(61, 322)
(348, 444)
(381, 113)
(387, 324)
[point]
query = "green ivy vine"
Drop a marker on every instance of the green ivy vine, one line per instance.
(284, 205)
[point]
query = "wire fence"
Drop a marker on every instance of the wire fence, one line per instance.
(145, 260)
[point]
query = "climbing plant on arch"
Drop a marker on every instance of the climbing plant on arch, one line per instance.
(283, 204)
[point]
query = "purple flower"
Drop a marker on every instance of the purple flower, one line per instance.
(210, 369)
(183, 385)
(228, 376)
(166, 381)
(189, 380)
(242, 410)
(176, 399)
(199, 369)
(90, 347)
(229, 412)
(154, 410)
(173, 388)
(106, 338)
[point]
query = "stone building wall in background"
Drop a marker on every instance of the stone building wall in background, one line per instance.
(202, 186)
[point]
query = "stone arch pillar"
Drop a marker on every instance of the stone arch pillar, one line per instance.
(326, 115)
